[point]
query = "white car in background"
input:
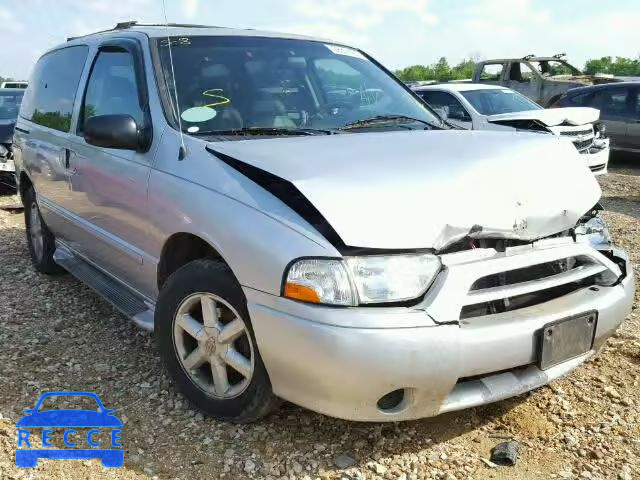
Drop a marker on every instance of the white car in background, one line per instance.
(489, 107)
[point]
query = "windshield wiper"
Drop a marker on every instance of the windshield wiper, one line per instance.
(380, 119)
(266, 131)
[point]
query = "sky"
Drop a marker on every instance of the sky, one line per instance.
(398, 33)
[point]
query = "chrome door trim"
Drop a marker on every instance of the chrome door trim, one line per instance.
(114, 242)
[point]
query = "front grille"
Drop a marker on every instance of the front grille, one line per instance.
(525, 287)
(597, 168)
(582, 139)
(576, 133)
(583, 145)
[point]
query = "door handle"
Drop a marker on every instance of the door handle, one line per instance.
(67, 163)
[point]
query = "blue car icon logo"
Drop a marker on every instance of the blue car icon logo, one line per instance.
(97, 420)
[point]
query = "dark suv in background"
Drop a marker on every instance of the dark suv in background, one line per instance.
(619, 106)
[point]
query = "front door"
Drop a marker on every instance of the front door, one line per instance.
(615, 105)
(633, 129)
(109, 185)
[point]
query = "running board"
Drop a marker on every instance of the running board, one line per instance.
(118, 295)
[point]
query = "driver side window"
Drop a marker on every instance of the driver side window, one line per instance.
(447, 103)
(521, 73)
(111, 88)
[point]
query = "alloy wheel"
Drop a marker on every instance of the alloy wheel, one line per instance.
(213, 345)
(35, 231)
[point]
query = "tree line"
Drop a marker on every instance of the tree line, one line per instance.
(442, 71)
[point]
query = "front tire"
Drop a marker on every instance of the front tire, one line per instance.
(207, 342)
(40, 240)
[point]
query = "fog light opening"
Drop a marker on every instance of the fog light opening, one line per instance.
(392, 401)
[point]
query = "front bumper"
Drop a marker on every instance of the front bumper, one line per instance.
(324, 359)
(7, 170)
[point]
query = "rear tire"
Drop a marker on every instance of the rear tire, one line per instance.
(41, 242)
(207, 343)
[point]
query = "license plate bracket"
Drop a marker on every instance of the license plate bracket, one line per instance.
(567, 338)
(7, 165)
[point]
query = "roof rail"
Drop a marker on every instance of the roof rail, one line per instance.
(135, 23)
(123, 25)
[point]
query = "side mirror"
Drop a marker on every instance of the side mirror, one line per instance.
(114, 131)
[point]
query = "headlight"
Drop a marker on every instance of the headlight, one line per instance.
(319, 281)
(596, 231)
(600, 130)
(3, 151)
(361, 280)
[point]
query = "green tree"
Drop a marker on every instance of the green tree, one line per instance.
(440, 71)
(613, 66)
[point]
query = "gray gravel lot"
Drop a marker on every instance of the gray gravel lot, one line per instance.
(56, 334)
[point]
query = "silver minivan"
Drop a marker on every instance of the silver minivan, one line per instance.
(293, 223)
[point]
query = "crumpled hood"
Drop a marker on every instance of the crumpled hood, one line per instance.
(428, 189)
(552, 117)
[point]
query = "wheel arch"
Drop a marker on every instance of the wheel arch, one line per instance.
(181, 248)
(24, 182)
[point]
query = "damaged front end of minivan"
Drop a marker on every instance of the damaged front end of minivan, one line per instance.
(450, 261)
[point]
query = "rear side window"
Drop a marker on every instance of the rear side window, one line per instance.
(112, 88)
(49, 98)
(612, 101)
(578, 100)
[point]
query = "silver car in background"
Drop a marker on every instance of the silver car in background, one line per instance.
(294, 223)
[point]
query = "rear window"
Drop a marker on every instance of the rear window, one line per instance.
(69, 402)
(10, 104)
(49, 98)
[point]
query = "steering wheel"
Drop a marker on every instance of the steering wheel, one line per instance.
(332, 109)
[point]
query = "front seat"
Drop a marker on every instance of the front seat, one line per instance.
(270, 112)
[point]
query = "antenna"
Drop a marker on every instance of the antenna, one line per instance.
(183, 150)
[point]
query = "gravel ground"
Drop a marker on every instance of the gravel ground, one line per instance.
(56, 334)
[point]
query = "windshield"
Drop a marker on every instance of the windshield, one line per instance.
(68, 402)
(10, 104)
(555, 68)
(496, 101)
(232, 83)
